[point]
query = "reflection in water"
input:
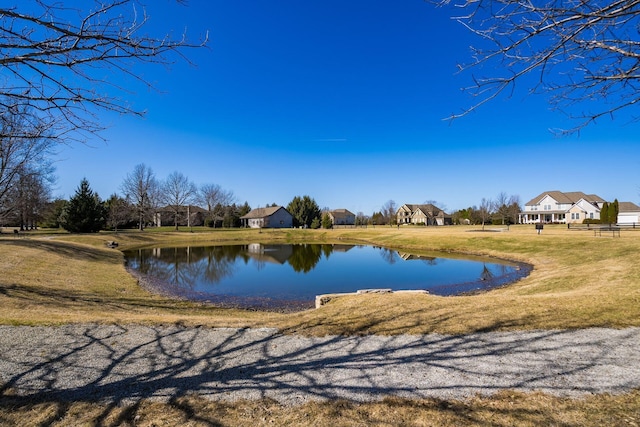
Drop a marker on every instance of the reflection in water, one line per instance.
(301, 271)
(185, 266)
(305, 257)
(486, 274)
(429, 260)
(388, 255)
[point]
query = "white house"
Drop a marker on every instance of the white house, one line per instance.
(271, 217)
(559, 207)
(628, 213)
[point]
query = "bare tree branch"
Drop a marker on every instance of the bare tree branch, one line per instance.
(142, 188)
(583, 52)
(177, 192)
(58, 60)
(215, 198)
(25, 145)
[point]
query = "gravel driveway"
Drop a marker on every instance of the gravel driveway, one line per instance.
(126, 363)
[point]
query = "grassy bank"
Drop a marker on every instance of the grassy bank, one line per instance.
(503, 409)
(578, 281)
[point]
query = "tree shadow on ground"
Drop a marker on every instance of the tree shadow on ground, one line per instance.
(122, 367)
(504, 409)
(63, 249)
(69, 299)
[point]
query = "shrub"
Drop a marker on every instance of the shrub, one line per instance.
(591, 221)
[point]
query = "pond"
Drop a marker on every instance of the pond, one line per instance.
(289, 276)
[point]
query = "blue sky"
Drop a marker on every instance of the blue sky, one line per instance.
(343, 101)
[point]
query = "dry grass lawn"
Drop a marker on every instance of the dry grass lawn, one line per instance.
(578, 281)
(504, 409)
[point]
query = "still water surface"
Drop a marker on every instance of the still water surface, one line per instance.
(290, 276)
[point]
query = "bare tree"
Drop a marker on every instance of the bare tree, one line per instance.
(119, 212)
(579, 52)
(501, 204)
(25, 146)
(514, 208)
(178, 193)
(362, 219)
(215, 198)
(485, 210)
(507, 208)
(142, 188)
(24, 204)
(389, 211)
(55, 57)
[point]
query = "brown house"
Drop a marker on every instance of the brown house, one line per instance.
(342, 217)
(426, 214)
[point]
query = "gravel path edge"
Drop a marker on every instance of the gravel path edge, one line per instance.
(126, 363)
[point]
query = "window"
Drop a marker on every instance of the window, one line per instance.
(591, 215)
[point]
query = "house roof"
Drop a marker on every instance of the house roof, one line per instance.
(427, 209)
(628, 207)
(341, 213)
(564, 198)
(262, 212)
(345, 211)
(595, 198)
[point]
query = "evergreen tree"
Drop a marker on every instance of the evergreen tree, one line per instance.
(304, 211)
(85, 212)
(613, 212)
(244, 209)
(326, 221)
(462, 216)
(231, 216)
(377, 218)
(315, 224)
(604, 213)
(53, 213)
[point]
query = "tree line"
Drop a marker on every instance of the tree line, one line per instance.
(503, 209)
(177, 199)
(54, 59)
(144, 200)
(143, 197)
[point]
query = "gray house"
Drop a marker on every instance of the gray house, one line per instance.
(342, 217)
(271, 217)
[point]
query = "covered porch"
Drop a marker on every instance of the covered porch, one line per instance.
(545, 217)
